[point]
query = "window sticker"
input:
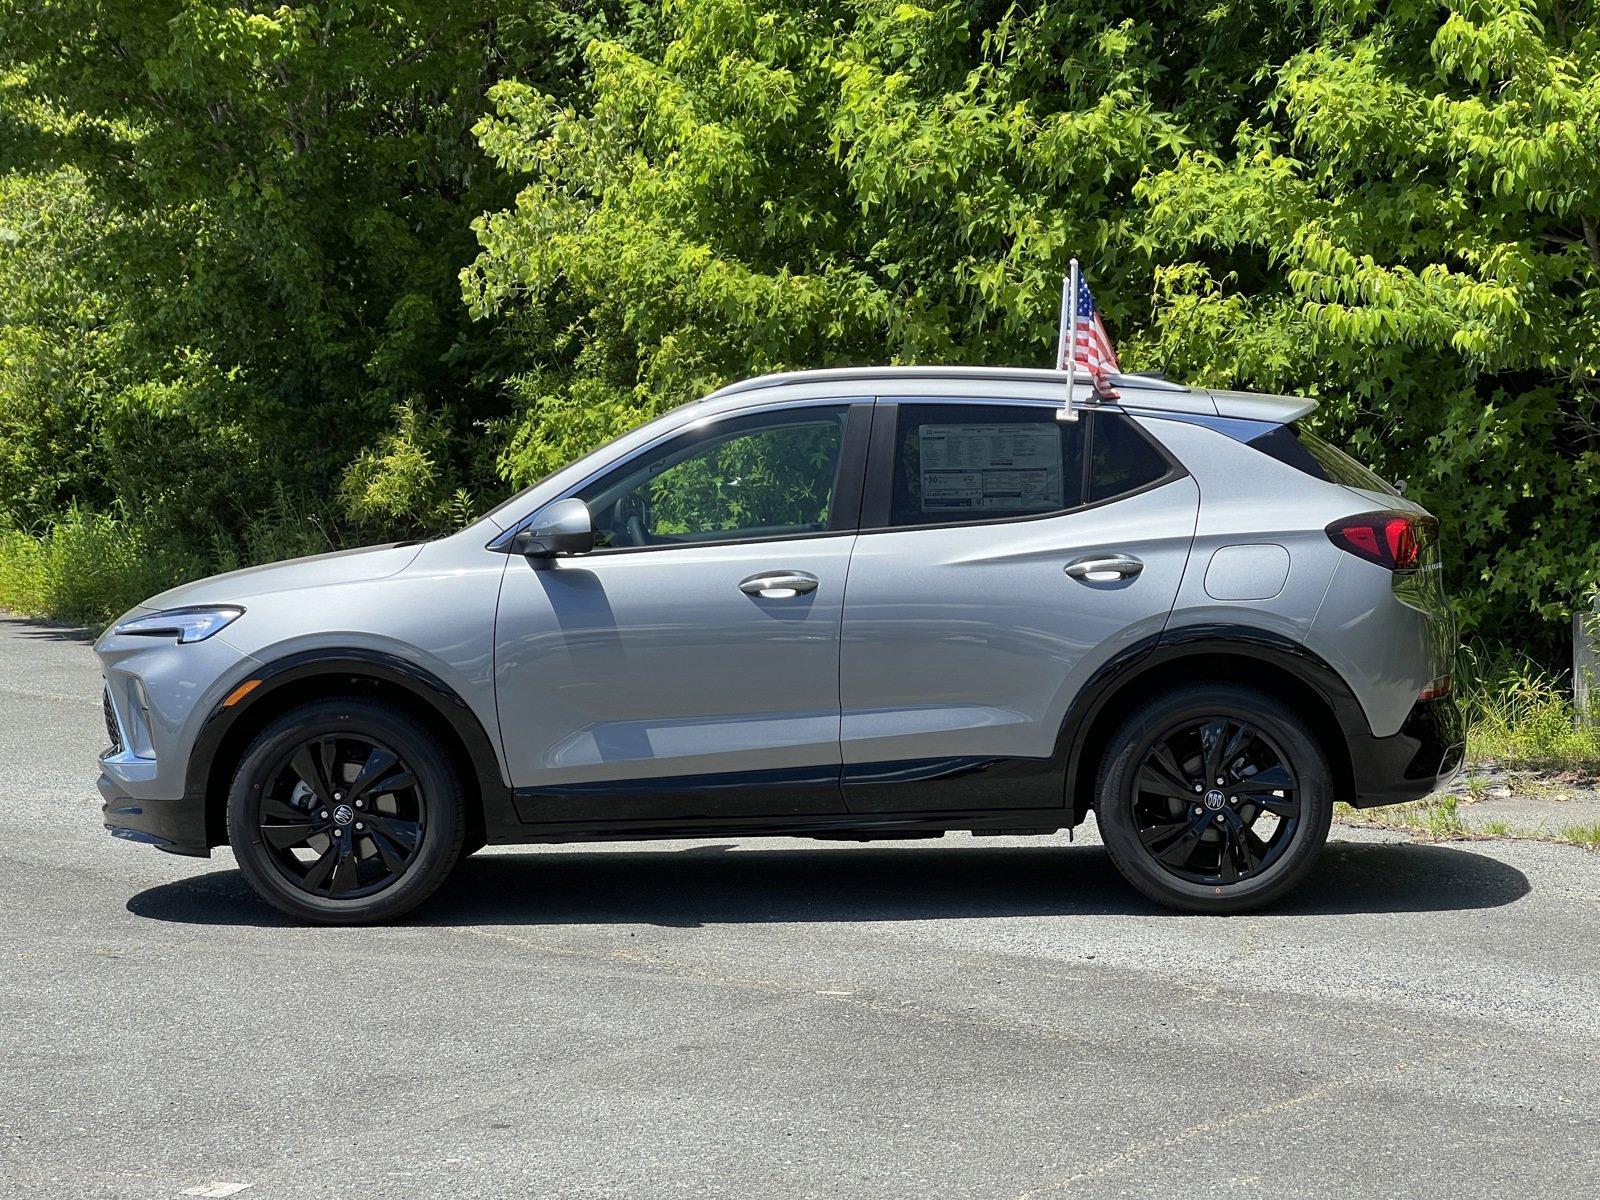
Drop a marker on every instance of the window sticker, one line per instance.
(981, 467)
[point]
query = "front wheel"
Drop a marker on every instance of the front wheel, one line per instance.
(1214, 798)
(346, 811)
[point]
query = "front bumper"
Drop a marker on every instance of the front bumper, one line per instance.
(176, 826)
(1420, 758)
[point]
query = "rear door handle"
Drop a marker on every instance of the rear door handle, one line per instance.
(1104, 568)
(779, 585)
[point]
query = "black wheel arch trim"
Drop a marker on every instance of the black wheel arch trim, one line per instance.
(362, 667)
(1227, 640)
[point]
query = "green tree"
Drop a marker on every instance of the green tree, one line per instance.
(1409, 228)
(1389, 208)
(793, 184)
(239, 269)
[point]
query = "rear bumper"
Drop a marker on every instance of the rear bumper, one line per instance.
(1420, 758)
(176, 826)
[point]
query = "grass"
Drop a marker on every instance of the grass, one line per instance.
(1522, 716)
(1587, 836)
(1438, 819)
(1435, 817)
(89, 568)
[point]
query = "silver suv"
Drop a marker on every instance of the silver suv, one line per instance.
(855, 604)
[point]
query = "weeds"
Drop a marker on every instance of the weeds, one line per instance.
(1521, 715)
(1587, 836)
(90, 567)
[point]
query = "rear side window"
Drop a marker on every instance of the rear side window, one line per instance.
(961, 463)
(1305, 451)
(1122, 460)
(983, 462)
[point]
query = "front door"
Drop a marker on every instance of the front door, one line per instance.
(971, 620)
(688, 668)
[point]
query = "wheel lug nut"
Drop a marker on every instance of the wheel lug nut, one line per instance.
(359, 825)
(340, 795)
(1199, 788)
(336, 832)
(361, 803)
(324, 814)
(1197, 810)
(1220, 818)
(1219, 784)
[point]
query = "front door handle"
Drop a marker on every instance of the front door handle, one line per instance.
(779, 585)
(1104, 568)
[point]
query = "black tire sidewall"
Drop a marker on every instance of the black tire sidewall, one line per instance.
(1125, 755)
(441, 790)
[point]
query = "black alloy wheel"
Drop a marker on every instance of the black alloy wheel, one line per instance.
(1214, 797)
(346, 811)
(344, 816)
(1215, 801)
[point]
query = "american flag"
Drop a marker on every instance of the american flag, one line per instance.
(1091, 345)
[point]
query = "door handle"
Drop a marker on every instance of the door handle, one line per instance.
(779, 585)
(1104, 568)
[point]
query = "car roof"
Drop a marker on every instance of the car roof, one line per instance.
(1144, 392)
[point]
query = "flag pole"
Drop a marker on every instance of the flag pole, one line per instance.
(1069, 337)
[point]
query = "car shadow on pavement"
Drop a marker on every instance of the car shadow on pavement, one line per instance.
(724, 884)
(53, 631)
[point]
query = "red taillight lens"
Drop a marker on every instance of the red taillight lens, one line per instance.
(1390, 539)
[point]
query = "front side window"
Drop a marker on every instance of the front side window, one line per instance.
(983, 462)
(763, 476)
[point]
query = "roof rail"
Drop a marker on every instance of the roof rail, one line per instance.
(1019, 374)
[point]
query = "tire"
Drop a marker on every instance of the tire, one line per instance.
(327, 829)
(1212, 849)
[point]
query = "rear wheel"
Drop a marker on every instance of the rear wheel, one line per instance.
(1214, 798)
(346, 811)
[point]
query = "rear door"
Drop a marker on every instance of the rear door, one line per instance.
(1004, 556)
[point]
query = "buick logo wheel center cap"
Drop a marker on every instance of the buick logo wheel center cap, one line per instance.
(344, 814)
(1215, 799)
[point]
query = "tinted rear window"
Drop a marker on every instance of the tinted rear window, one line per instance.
(983, 462)
(1305, 451)
(1122, 460)
(961, 463)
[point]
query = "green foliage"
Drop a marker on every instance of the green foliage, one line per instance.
(235, 242)
(780, 478)
(1391, 209)
(82, 570)
(1409, 228)
(1522, 715)
(229, 242)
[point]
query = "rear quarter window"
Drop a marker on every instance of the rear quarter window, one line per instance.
(1305, 451)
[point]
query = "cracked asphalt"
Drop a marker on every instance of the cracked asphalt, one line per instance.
(781, 1018)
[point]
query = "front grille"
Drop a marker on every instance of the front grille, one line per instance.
(112, 730)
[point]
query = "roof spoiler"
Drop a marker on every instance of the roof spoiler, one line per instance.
(1261, 406)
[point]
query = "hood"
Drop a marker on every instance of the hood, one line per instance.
(319, 570)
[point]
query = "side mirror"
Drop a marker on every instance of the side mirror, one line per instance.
(563, 527)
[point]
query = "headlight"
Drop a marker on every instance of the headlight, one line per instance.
(185, 624)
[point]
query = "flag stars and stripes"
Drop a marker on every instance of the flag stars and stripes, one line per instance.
(1091, 346)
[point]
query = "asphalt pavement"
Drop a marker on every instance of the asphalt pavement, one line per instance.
(777, 1018)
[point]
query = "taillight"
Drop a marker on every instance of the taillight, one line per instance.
(1390, 539)
(1438, 689)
